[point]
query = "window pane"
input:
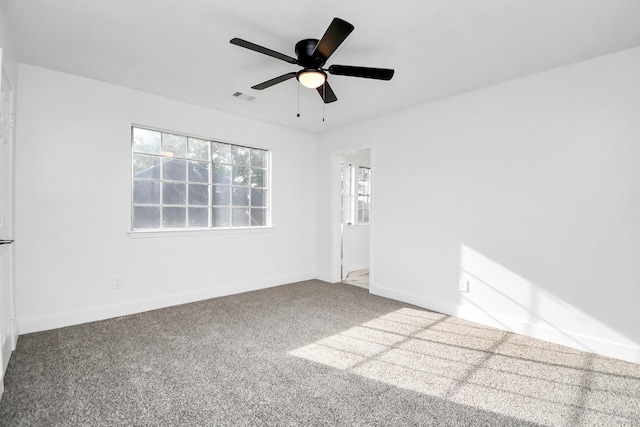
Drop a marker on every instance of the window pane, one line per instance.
(257, 197)
(198, 194)
(198, 171)
(221, 195)
(145, 166)
(174, 217)
(363, 202)
(220, 153)
(174, 169)
(240, 155)
(174, 145)
(220, 217)
(146, 217)
(363, 181)
(146, 141)
(259, 158)
(174, 193)
(364, 191)
(363, 174)
(221, 174)
(240, 217)
(198, 217)
(363, 216)
(146, 191)
(240, 196)
(198, 149)
(258, 178)
(258, 217)
(241, 175)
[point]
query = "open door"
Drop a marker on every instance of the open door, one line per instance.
(8, 327)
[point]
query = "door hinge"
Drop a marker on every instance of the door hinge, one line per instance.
(12, 120)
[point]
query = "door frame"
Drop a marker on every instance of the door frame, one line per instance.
(337, 157)
(8, 308)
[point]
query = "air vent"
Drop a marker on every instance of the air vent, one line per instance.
(244, 96)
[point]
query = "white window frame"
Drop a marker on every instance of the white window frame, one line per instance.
(161, 158)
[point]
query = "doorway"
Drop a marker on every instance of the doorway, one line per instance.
(355, 217)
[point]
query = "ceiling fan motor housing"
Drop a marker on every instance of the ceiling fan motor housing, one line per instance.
(305, 50)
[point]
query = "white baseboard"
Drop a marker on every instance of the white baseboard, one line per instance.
(61, 320)
(410, 298)
(623, 351)
(6, 346)
(578, 341)
(325, 277)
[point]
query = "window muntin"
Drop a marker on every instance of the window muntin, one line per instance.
(364, 195)
(180, 182)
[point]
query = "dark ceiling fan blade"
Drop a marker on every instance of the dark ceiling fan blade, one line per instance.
(274, 81)
(365, 72)
(263, 50)
(326, 93)
(334, 36)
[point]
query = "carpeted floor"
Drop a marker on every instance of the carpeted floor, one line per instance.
(308, 353)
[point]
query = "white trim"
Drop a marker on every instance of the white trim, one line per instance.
(410, 298)
(336, 220)
(7, 349)
(623, 351)
(197, 232)
(43, 323)
(325, 277)
(591, 344)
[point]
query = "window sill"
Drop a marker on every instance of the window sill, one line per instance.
(200, 232)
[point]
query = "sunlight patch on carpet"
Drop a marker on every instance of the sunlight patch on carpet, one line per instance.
(471, 364)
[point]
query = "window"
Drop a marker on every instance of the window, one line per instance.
(364, 194)
(180, 182)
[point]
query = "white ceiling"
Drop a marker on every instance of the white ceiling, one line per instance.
(439, 48)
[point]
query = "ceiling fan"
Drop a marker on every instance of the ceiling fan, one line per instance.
(312, 54)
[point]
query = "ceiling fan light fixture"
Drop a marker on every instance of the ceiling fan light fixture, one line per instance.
(311, 78)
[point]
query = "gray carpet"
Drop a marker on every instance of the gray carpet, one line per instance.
(308, 353)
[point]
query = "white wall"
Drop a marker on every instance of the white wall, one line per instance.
(73, 206)
(528, 189)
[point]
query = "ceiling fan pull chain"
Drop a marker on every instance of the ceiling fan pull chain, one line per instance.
(324, 97)
(298, 115)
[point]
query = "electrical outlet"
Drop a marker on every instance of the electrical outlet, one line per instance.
(464, 285)
(117, 283)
